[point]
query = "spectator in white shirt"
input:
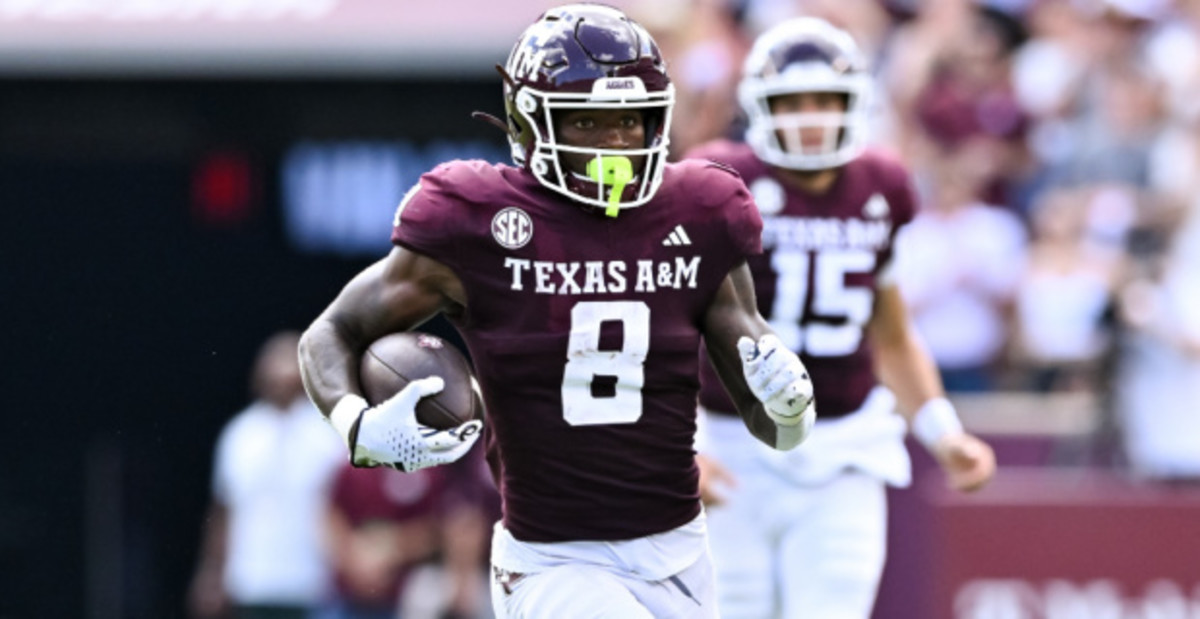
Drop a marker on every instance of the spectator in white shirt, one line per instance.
(262, 554)
(958, 264)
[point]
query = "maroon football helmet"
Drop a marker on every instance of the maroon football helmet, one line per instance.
(805, 54)
(587, 56)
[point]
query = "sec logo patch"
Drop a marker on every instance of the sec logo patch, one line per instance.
(512, 228)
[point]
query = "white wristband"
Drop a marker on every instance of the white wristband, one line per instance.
(345, 414)
(935, 419)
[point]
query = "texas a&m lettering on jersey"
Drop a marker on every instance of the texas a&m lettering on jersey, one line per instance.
(822, 233)
(602, 277)
(591, 324)
(822, 262)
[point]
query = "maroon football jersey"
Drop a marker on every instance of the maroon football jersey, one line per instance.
(816, 278)
(584, 329)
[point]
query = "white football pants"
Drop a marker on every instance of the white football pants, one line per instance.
(787, 550)
(583, 591)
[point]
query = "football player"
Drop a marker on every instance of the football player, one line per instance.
(583, 280)
(802, 534)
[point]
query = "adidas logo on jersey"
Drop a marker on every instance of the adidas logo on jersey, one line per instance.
(677, 238)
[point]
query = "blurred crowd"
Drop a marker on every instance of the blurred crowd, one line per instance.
(294, 532)
(1056, 150)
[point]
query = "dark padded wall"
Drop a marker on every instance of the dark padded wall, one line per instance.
(130, 324)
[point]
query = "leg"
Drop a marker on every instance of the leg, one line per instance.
(741, 529)
(576, 591)
(741, 542)
(831, 561)
(690, 594)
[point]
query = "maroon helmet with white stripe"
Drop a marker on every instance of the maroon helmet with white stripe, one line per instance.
(801, 55)
(587, 56)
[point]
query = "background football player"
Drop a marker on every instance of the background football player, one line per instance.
(802, 534)
(583, 281)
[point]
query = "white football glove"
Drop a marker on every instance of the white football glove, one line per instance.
(780, 381)
(388, 434)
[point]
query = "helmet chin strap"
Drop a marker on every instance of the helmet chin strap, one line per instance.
(615, 171)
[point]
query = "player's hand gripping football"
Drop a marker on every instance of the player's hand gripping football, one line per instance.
(390, 435)
(968, 462)
(780, 381)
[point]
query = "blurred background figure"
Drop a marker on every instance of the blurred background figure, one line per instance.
(382, 523)
(968, 97)
(1063, 318)
(947, 89)
(805, 533)
(456, 586)
(1098, 99)
(958, 264)
(411, 545)
(706, 41)
(262, 555)
(1157, 384)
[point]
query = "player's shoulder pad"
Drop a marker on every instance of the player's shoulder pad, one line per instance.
(715, 193)
(886, 166)
(708, 183)
(464, 179)
(893, 179)
(449, 188)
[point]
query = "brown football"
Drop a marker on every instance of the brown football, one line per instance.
(392, 361)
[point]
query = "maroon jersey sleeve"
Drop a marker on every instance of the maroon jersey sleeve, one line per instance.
(724, 189)
(435, 216)
(730, 196)
(897, 185)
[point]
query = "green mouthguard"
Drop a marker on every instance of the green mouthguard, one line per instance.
(615, 171)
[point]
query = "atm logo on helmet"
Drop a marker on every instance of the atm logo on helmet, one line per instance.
(526, 63)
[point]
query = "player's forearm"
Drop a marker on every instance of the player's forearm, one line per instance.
(902, 363)
(768, 431)
(904, 366)
(326, 364)
(777, 409)
(753, 411)
(749, 408)
(910, 374)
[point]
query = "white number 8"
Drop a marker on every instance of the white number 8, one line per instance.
(589, 367)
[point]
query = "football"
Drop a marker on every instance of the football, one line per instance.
(392, 361)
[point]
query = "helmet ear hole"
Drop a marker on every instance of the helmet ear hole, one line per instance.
(526, 102)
